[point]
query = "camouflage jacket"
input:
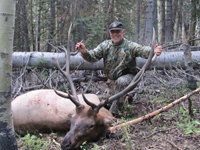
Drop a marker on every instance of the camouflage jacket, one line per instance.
(118, 60)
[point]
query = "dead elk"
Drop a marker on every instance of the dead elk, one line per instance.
(44, 111)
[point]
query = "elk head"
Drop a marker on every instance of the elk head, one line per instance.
(89, 123)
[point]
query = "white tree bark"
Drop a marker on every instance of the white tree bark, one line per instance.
(7, 16)
(48, 60)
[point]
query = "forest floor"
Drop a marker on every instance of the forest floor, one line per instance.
(170, 130)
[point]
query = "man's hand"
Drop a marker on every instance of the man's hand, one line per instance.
(157, 50)
(80, 47)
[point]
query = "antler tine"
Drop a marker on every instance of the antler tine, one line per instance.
(103, 103)
(87, 101)
(100, 105)
(154, 42)
(68, 96)
(67, 53)
(95, 107)
(69, 79)
(67, 74)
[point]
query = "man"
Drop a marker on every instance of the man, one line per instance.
(119, 56)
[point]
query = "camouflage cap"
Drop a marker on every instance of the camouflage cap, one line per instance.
(116, 26)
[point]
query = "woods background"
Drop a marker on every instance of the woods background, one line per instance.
(40, 23)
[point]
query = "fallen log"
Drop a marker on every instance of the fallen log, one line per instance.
(48, 60)
(150, 115)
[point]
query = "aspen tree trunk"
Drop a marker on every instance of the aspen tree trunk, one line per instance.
(7, 16)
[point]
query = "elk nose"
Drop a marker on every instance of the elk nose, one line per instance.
(65, 145)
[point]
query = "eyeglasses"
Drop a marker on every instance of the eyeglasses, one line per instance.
(115, 31)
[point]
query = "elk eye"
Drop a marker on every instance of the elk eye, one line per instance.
(92, 126)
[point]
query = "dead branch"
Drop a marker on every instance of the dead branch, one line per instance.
(54, 141)
(189, 74)
(155, 76)
(89, 83)
(177, 43)
(33, 87)
(150, 115)
(174, 145)
(20, 77)
(159, 132)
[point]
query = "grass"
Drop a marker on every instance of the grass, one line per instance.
(187, 123)
(33, 142)
(127, 138)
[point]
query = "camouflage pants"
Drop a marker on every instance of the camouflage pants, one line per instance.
(117, 86)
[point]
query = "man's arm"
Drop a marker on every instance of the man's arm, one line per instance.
(143, 51)
(92, 55)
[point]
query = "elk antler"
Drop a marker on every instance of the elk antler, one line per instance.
(66, 73)
(96, 108)
(69, 97)
(73, 98)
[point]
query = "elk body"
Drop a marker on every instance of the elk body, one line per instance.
(44, 111)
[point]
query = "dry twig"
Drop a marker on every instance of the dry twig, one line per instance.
(159, 131)
(174, 145)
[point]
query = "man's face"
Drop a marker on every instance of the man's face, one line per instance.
(117, 36)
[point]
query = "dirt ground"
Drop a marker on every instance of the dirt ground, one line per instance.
(171, 130)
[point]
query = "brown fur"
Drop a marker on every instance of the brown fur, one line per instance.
(43, 110)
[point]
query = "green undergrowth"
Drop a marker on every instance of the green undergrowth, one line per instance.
(32, 142)
(155, 130)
